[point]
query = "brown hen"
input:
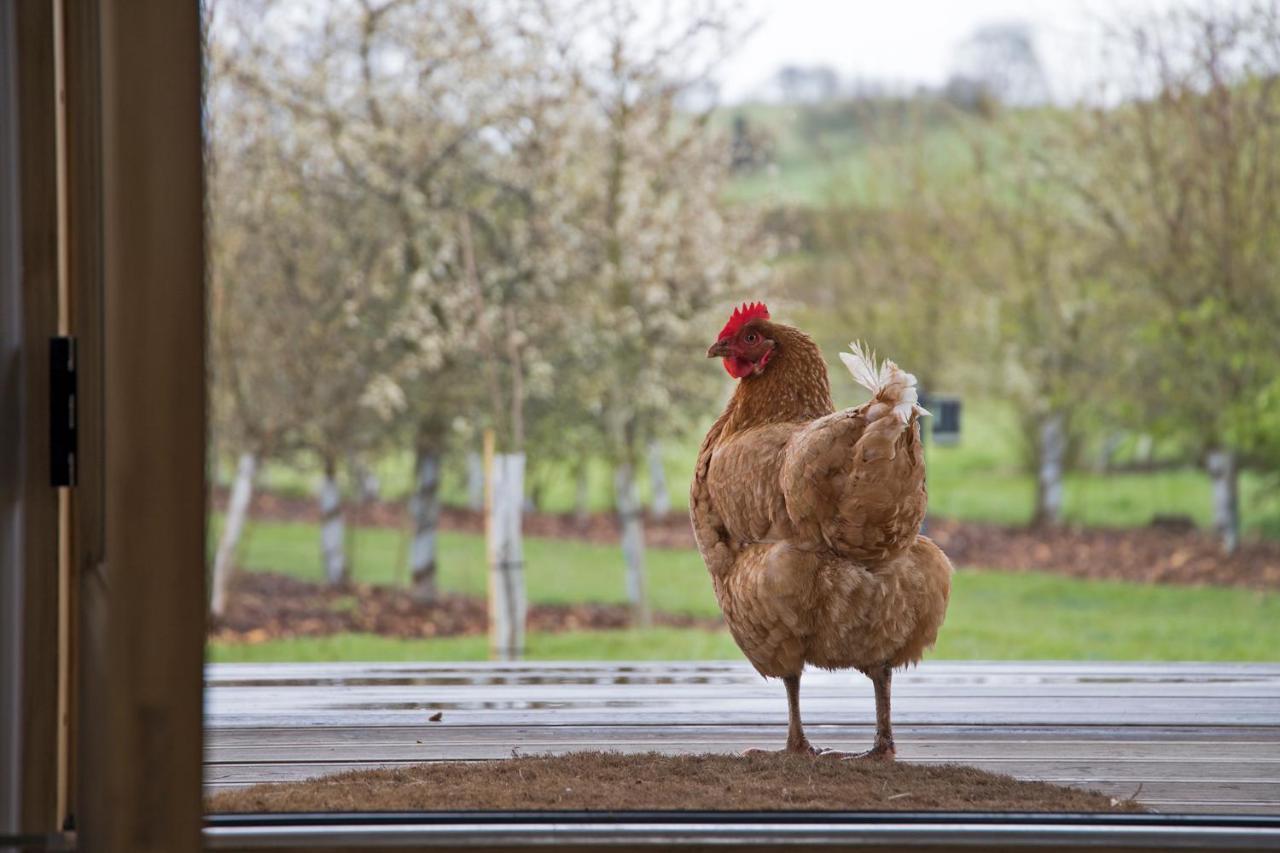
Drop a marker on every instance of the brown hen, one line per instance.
(808, 519)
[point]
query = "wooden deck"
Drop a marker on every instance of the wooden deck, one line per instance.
(1183, 737)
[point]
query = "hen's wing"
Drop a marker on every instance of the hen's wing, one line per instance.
(743, 481)
(856, 487)
(708, 528)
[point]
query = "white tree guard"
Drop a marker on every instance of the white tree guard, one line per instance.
(660, 500)
(233, 529)
(1053, 451)
(1226, 497)
(507, 598)
(332, 531)
(629, 514)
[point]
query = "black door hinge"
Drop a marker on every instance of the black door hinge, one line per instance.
(62, 411)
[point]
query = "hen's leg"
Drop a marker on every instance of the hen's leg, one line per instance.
(796, 740)
(882, 750)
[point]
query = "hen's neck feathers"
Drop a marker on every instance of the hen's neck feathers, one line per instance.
(792, 388)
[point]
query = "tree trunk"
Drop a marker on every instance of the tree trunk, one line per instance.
(232, 529)
(1225, 476)
(332, 528)
(660, 498)
(475, 481)
(1052, 449)
(507, 600)
(632, 543)
(424, 509)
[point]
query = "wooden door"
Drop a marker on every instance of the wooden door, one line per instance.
(134, 237)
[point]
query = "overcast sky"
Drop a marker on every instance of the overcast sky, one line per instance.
(912, 41)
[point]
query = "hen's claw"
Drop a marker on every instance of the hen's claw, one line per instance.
(876, 753)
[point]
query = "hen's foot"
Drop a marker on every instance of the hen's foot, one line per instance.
(879, 752)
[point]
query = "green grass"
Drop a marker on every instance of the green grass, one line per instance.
(993, 615)
(655, 644)
(1003, 616)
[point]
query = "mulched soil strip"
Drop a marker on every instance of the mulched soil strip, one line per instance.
(600, 781)
(1153, 554)
(265, 606)
(1162, 553)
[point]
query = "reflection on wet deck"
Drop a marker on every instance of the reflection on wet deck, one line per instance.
(1186, 737)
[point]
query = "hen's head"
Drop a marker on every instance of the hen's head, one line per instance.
(746, 342)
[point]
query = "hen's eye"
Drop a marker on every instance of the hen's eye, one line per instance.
(752, 338)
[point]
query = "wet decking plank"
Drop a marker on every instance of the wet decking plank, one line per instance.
(1053, 736)
(1243, 760)
(539, 671)
(1186, 737)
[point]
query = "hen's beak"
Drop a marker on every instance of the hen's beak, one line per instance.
(720, 349)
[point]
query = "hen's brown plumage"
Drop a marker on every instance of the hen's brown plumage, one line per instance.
(808, 521)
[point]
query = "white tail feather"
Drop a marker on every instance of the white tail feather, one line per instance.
(887, 382)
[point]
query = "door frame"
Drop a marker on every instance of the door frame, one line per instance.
(30, 723)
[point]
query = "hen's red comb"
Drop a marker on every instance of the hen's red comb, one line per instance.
(742, 315)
